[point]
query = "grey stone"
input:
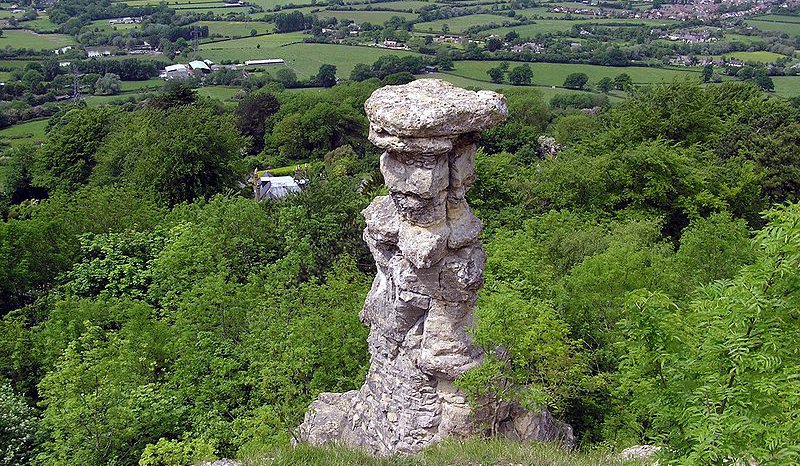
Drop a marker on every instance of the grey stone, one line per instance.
(433, 108)
(639, 452)
(425, 241)
(415, 179)
(407, 145)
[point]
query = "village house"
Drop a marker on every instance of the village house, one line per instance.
(528, 46)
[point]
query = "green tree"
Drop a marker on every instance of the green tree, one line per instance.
(712, 376)
(326, 77)
(623, 82)
(252, 114)
(67, 159)
(313, 132)
(102, 402)
(18, 428)
(605, 85)
(108, 84)
(576, 80)
(179, 155)
(708, 72)
(521, 75)
(287, 77)
(496, 74)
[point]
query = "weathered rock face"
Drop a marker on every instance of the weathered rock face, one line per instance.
(430, 264)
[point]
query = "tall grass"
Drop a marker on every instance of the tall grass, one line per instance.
(450, 453)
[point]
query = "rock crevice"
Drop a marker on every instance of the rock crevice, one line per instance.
(430, 262)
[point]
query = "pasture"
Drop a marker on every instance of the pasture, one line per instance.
(413, 5)
(755, 57)
(104, 25)
(787, 86)
(462, 23)
(270, 5)
(792, 29)
(24, 39)
(248, 48)
(551, 26)
(305, 59)
(42, 25)
(553, 74)
(362, 16)
(236, 29)
(28, 132)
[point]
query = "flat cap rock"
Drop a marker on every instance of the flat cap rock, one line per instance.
(432, 108)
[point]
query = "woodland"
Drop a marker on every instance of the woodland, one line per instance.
(642, 279)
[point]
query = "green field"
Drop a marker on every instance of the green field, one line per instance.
(756, 57)
(133, 86)
(271, 4)
(103, 25)
(553, 74)
(42, 24)
(742, 38)
(21, 38)
(222, 93)
(413, 5)
(236, 28)
(28, 132)
(779, 18)
(360, 16)
(249, 48)
(793, 29)
(461, 23)
(216, 11)
(546, 91)
(306, 59)
(787, 86)
(549, 26)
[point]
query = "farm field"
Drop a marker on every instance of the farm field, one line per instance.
(779, 18)
(42, 25)
(305, 59)
(547, 92)
(236, 28)
(545, 26)
(553, 74)
(787, 86)
(132, 86)
(21, 38)
(360, 16)
(22, 133)
(104, 25)
(219, 10)
(757, 57)
(271, 4)
(742, 38)
(399, 5)
(462, 23)
(248, 48)
(793, 29)
(222, 93)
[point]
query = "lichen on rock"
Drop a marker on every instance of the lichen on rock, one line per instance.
(425, 241)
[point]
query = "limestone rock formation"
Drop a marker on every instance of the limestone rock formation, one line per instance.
(430, 264)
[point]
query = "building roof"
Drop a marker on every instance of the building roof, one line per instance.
(268, 61)
(276, 187)
(178, 67)
(199, 65)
